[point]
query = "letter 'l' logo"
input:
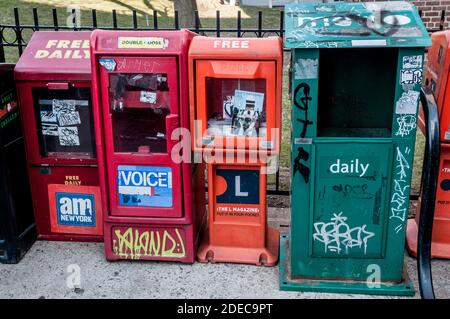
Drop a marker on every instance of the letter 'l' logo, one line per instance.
(238, 187)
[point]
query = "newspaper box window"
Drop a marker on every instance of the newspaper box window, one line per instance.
(236, 103)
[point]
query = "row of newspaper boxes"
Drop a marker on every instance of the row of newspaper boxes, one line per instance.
(121, 126)
(111, 150)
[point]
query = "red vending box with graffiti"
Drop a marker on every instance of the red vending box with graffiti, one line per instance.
(54, 89)
(141, 81)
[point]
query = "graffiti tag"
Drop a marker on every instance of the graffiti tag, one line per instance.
(337, 234)
(305, 98)
(401, 194)
(134, 243)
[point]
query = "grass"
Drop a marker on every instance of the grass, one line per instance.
(144, 10)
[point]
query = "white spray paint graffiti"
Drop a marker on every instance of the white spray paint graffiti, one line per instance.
(401, 189)
(337, 234)
(306, 69)
(406, 124)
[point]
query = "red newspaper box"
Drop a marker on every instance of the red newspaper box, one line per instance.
(142, 97)
(436, 78)
(54, 89)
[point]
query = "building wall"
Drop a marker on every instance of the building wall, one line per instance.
(431, 12)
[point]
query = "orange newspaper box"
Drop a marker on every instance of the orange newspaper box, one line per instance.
(436, 78)
(235, 109)
(236, 100)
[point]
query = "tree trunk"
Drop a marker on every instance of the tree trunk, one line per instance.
(186, 16)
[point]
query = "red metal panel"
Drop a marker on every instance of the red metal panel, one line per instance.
(149, 242)
(436, 77)
(440, 247)
(55, 55)
(45, 182)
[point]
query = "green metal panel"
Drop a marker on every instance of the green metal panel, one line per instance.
(287, 282)
(343, 25)
(354, 119)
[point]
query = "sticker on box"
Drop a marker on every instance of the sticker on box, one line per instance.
(68, 136)
(240, 187)
(48, 117)
(412, 62)
(50, 130)
(74, 209)
(407, 103)
(142, 43)
(302, 140)
(70, 118)
(108, 64)
(410, 76)
(148, 97)
(306, 69)
(63, 106)
(447, 136)
(148, 186)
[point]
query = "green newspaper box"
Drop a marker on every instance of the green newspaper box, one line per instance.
(356, 73)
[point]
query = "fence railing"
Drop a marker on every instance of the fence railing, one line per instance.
(16, 31)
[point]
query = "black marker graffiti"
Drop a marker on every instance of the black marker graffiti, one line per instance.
(304, 106)
(369, 27)
(353, 191)
(303, 169)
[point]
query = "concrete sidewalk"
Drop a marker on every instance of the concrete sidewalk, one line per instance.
(43, 273)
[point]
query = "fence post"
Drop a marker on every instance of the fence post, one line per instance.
(442, 22)
(155, 19)
(17, 30)
(94, 19)
(176, 21)
(114, 19)
(35, 19)
(218, 23)
(259, 24)
(2, 48)
(135, 23)
(239, 24)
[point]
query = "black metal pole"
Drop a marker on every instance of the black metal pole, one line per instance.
(430, 172)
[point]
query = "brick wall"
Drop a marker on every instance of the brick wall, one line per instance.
(431, 12)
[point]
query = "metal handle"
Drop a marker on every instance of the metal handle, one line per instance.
(429, 182)
(58, 86)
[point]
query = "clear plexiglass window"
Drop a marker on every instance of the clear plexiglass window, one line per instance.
(139, 104)
(236, 107)
(64, 122)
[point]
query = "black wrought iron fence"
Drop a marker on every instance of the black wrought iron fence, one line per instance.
(16, 38)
